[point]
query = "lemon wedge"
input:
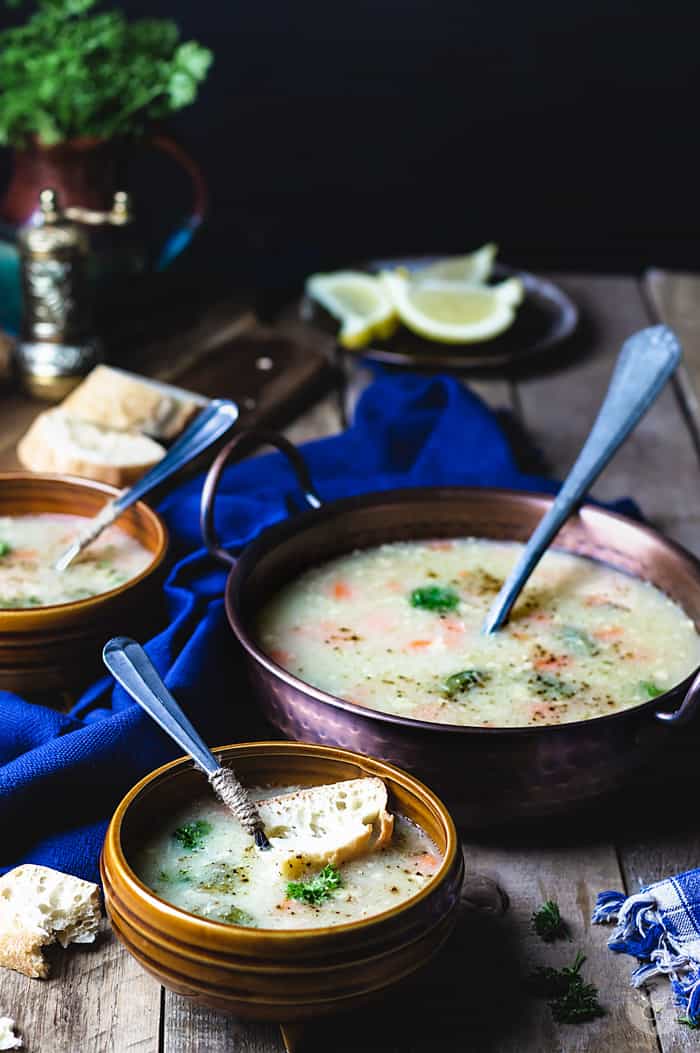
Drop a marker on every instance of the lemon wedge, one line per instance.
(476, 267)
(360, 302)
(453, 312)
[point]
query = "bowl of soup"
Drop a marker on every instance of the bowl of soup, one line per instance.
(53, 625)
(208, 915)
(360, 620)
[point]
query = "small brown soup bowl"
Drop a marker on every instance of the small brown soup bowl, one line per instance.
(57, 648)
(271, 974)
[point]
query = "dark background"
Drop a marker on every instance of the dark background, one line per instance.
(333, 131)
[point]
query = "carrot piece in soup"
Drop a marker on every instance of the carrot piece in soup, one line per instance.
(552, 662)
(609, 632)
(428, 862)
(341, 590)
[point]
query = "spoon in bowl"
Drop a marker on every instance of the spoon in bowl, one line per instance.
(644, 364)
(211, 424)
(131, 667)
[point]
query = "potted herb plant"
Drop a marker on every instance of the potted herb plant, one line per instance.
(79, 84)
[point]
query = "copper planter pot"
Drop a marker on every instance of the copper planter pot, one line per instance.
(485, 774)
(271, 974)
(57, 649)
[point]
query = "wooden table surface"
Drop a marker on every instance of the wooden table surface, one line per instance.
(99, 1000)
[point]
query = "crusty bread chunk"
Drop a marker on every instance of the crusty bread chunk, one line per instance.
(40, 906)
(59, 442)
(8, 1038)
(117, 399)
(327, 824)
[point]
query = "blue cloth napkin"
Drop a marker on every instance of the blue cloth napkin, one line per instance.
(660, 927)
(61, 775)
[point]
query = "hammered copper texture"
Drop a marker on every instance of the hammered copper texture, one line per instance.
(484, 774)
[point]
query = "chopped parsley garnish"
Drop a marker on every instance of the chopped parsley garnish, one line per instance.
(5, 548)
(434, 598)
(578, 641)
(548, 923)
(573, 1000)
(316, 889)
(649, 689)
(236, 916)
(464, 681)
(191, 835)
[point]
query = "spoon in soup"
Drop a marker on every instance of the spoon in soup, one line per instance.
(211, 424)
(131, 667)
(644, 364)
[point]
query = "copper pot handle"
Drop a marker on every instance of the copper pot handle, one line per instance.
(252, 436)
(688, 707)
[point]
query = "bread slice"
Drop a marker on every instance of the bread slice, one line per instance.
(114, 398)
(40, 906)
(60, 442)
(327, 824)
(8, 1038)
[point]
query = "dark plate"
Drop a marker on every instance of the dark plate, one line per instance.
(545, 319)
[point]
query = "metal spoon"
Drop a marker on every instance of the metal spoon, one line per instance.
(130, 666)
(209, 425)
(645, 363)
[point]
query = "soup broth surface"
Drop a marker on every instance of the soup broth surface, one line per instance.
(397, 628)
(222, 876)
(30, 545)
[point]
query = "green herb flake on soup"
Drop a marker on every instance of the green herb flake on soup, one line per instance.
(215, 871)
(30, 545)
(397, 628)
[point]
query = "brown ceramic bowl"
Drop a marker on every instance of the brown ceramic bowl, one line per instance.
(268, 974)
(47, 649)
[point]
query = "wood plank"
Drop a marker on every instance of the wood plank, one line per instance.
(658, 466)
(674, 298)
(473, 995)
(188, 1027)
(98, 1000)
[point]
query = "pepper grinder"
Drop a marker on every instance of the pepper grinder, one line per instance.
(57, 346)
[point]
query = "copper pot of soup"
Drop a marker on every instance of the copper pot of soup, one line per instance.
(360, 621)
(53, 626)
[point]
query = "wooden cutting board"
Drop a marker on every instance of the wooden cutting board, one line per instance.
(271, 375)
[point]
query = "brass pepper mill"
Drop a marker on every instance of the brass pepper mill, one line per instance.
(57, 346)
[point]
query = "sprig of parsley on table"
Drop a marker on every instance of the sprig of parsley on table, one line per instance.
(573, 1000)
(316, 889)
(548, 923)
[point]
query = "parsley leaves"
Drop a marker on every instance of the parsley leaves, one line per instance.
(191, 835)
(548, 923)
(434, 598)
(573, 1000)
(317, 889)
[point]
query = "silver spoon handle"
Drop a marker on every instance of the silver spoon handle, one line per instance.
(644, 365)
(131, 667)
(209, 425)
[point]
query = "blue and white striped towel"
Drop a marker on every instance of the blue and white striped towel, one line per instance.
(660, 926)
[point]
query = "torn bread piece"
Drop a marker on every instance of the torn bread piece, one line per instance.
(312, 827)
(60, 442)
(8, 1038)
(40, 906)
(115, 398)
